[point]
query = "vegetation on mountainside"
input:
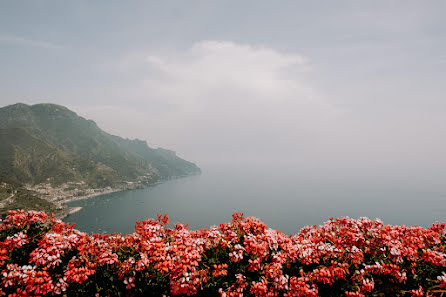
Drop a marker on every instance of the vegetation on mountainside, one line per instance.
(19, 198)
(50, 143)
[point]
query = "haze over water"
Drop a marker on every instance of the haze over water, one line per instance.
(311, 110)
(285, 200)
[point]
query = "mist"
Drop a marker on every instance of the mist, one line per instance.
(349, 93)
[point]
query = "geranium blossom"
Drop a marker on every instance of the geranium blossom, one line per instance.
(42, 256)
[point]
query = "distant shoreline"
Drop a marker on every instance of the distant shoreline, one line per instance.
(71, 199)
(72, 210)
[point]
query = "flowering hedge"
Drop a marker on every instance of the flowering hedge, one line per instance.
(42, 256)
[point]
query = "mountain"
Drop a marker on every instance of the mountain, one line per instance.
(50, 143)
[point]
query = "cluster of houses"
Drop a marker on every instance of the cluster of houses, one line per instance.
(66, 191)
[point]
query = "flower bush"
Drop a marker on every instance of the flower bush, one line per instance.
(42, 256)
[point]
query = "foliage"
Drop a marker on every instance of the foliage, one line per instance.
(24, 199)
(20, 198)
(48, 141)
(343, 257)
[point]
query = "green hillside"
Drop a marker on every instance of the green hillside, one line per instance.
(48, 142)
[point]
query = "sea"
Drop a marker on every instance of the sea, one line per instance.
(286, 200)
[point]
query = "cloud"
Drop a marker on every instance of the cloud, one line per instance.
(246, 105)
(218, 97)
(221, 101)
(211, 69)
(28, 42)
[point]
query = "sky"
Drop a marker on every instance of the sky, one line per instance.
(335, 88)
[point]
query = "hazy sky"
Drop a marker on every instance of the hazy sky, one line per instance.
(345, 87)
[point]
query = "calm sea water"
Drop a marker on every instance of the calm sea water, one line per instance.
(284, 201)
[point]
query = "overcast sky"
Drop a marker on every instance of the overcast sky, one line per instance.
(352, 87)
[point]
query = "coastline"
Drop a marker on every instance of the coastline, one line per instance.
(72, 210)
(71, 199)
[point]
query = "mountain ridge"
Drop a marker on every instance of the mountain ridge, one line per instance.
(49, 142)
